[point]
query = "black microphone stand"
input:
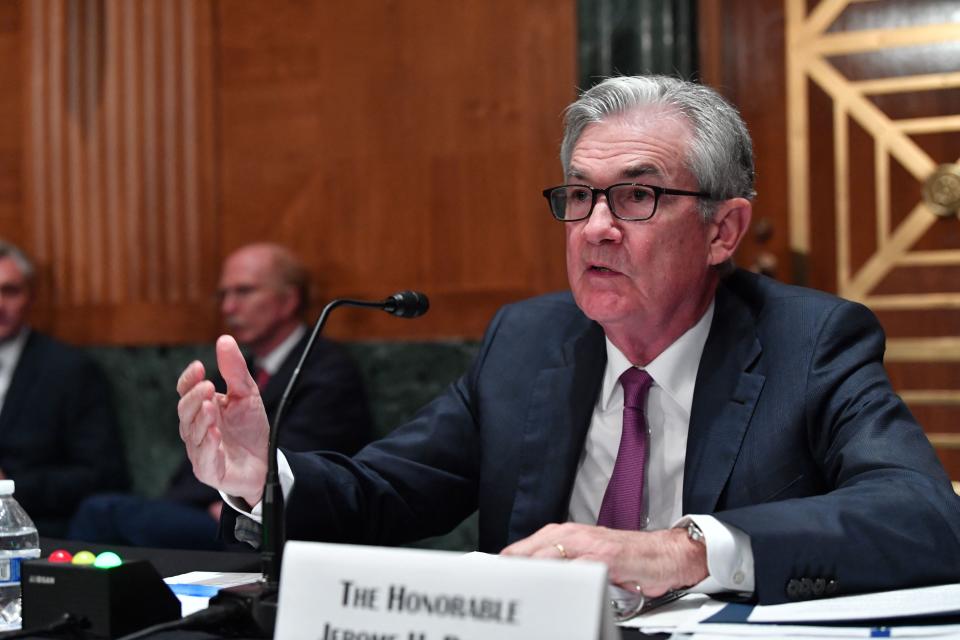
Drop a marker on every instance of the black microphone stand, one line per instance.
(260, 599)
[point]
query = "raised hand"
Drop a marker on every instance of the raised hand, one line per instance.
(226, 435)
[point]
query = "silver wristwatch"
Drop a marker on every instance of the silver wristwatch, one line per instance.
(695, 533)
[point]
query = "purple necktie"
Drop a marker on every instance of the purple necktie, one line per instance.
(622, 506)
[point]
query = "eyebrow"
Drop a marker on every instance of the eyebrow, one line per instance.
(635, 171)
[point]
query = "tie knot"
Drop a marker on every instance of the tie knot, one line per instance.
(636, 383)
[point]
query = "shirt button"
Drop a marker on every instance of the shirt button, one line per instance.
(645, 522)
(738, 577)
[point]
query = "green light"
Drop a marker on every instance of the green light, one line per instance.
(107, 560)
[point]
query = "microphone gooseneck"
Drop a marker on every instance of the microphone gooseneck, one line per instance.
(257, 602)
(403, 304)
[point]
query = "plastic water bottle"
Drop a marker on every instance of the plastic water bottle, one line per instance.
(18, 541)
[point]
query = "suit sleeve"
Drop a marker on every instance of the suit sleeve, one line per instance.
(888, 518)
(419, 481)
(91, 455)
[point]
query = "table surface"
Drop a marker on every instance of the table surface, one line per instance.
(171, 562)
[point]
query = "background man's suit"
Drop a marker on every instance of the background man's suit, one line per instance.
(329, 410)
(59, 439)
(791, 401)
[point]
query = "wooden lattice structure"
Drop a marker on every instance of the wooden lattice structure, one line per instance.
(812, 48)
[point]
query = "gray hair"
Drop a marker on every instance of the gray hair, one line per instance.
(720, 155)
(12, 251)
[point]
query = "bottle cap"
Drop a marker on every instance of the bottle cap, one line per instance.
(6, 487)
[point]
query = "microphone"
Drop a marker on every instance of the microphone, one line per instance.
(407, 304)
(259, 600)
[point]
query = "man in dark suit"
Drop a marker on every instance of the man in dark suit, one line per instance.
(58, 432)
(689, 424)
(263, 294)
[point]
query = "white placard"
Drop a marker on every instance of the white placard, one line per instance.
(348, 592)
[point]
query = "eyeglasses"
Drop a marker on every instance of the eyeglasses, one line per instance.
(241, 292)
(627, 201)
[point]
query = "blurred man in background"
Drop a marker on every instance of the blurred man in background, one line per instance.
(59, 439)
(263, 293)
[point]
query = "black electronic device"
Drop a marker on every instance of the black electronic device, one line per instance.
(113, 601)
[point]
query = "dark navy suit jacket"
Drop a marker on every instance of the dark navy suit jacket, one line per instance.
(59, 439)
(796, 438)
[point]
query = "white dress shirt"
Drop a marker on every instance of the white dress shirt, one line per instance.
(272, 361)
(10, 351)
(668, 406)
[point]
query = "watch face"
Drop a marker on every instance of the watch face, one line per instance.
(694, 532)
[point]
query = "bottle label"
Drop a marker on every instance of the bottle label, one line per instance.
(9, 570)
(10, 566)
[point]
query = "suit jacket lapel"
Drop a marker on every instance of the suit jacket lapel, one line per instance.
(727, 388)
(561, 404)
(277, 384)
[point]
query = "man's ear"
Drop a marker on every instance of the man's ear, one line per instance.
(291, 300)
(730, 223)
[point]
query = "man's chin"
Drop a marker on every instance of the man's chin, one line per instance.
(8, 333)
(601, 307)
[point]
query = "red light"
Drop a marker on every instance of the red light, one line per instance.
(60, 555)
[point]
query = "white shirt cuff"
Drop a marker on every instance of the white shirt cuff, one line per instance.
(729, 556)
(256, 513)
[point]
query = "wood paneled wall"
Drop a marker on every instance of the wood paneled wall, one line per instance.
(390, 144)
(117, 163)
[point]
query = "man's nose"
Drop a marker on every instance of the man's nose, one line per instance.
(228, 303)
(602, 226)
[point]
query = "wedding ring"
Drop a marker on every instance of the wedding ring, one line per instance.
(563, 552)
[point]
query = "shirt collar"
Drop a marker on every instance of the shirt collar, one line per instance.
(674, 370)
(10, 351)
(272, 361)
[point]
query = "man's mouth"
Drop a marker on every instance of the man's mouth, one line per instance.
(596, 268)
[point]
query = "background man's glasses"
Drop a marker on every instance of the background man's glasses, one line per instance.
(241, 292)
(627, 201)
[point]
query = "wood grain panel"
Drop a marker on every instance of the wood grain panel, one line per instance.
(114, 194)
(11, 115)
(391, 144)
(405, 148)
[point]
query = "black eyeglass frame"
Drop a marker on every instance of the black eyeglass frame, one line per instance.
(594, 191)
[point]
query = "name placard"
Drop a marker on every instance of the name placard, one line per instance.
(348, 592)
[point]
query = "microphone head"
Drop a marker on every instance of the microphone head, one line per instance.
(407, 304)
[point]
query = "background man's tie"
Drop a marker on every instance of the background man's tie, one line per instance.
(622, 506)
(261, 377)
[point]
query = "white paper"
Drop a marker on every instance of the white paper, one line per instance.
(213, 578)
(192, 604)
(688, 610)
(722, 631)
(943, 599)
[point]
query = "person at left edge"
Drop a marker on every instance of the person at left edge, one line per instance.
(59, 439)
